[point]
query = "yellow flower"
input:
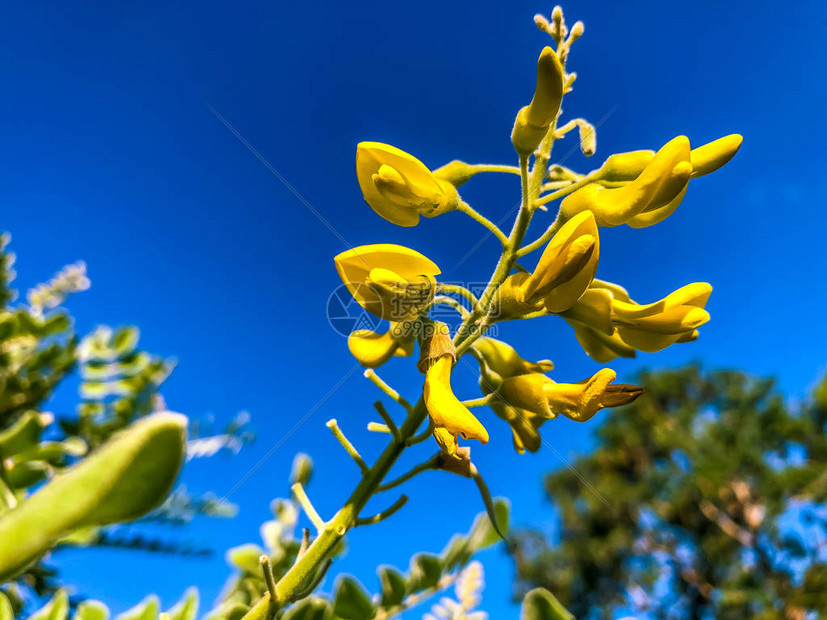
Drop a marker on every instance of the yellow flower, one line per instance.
(591, 318)
(562, 275)
(498, 361)
(578, 401)
(631, 166)
(399, 187)
(608, 324)
(534, 120)
(675, 318)
(372, 349)
(660, 182)
(390, 281)
(449, 416)
(704, 159)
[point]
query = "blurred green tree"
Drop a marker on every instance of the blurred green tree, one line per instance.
(705, 498)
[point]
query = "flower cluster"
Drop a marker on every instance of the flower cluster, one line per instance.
(638, 188)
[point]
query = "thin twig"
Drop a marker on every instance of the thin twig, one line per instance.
(315, 519)
(381, 516)
(347, 445)
(395, 396)
(429, 464)
(380, 408)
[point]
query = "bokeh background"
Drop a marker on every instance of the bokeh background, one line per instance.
(112, 155)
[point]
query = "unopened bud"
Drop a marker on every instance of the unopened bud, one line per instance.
(541, 22)
(588, 138)
(456, 172)
(576, 32)
(302, 470)
(533, 120)
(557, 15)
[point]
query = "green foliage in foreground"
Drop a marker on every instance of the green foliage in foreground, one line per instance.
(715, 489)
(65, 477)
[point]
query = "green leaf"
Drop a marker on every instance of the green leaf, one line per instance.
(351, 601)
(246, 558)
(6, 610)
(147, 609)
(540, 604)
(425, 571)
(55, 609)
(186, 608)
(92, 610)
(23, 434)
(457, 552)
(489, 529)
(311, 608)
(394, 586)
(129, 476)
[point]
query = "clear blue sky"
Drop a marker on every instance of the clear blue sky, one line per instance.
(111, 155)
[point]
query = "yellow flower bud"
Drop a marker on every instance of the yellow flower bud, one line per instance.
(534, 120)
(625, 166)
(499, 361)
(389, 281)
(563, 273)
(399, 187)
(709, 157)
(577, 401)
(675, 318)
(448, 415)
(657, 185)
(456, 172)
(372, 349)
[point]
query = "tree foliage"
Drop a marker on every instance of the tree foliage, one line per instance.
(705, 498)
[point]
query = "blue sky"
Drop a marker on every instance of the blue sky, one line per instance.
(112, 155)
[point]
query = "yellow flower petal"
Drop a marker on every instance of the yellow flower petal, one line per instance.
(372, 349)
(393, 264)
(568, 264)
(578, 401)
(625, 166)
(600, 347)
(709, 157)
(502, 361)
(445, 410)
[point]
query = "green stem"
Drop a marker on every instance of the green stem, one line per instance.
(429, 464)
(496, 168)
(478, 402)
(383, 413)
(468, 210)
(450, 301)
(335, 529)
(395, 396)
(565, 191)
(381, 516)
(458, 290)
(333, 425)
